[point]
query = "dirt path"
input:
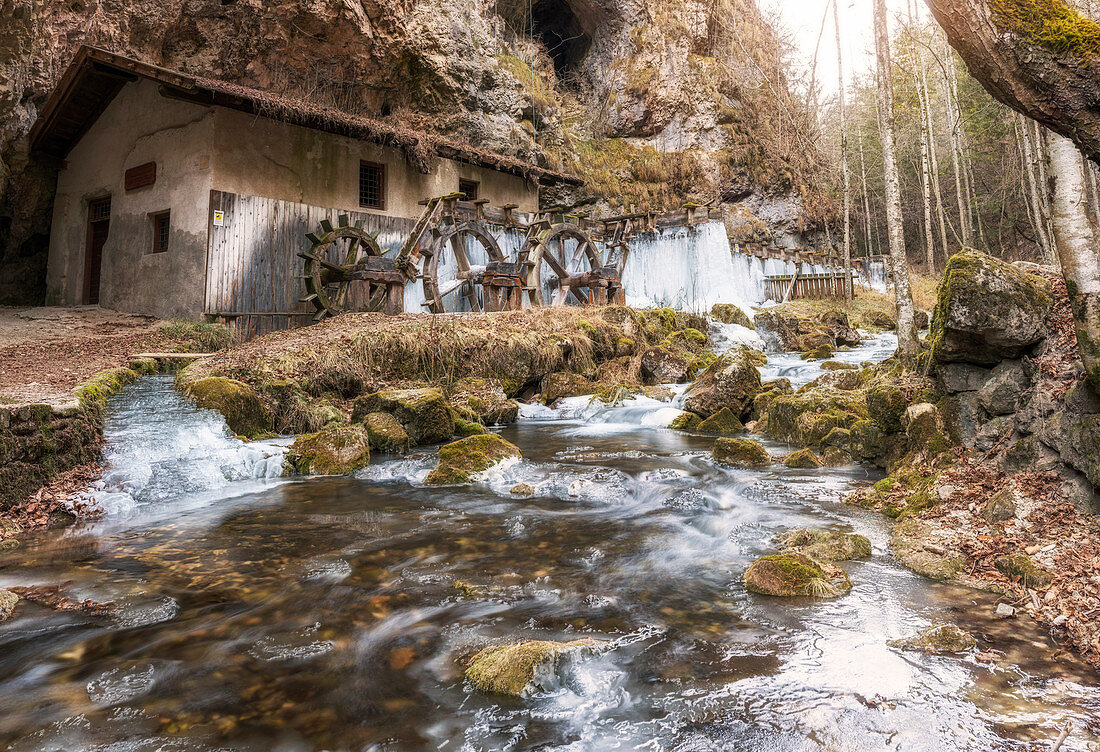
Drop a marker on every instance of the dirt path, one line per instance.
(46, 352)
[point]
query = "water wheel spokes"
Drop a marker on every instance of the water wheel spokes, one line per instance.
(456, 263)
(339, 259)
(560, 257)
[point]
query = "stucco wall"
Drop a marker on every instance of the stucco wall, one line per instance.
(260, 157)
(139, 126)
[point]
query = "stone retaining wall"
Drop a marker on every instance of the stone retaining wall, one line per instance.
(39, 441)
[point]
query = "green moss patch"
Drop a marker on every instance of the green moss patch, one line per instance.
(236, 401)
(792, 575)
(743, 453)
(333, 451)
(523, 669)
(461, 461)
(826, 545)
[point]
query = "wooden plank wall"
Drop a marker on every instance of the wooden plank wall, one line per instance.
(253, 278)
(819, 286)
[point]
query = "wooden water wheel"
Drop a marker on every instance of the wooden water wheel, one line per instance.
(346, 271)
(565, 266)
(455, 265)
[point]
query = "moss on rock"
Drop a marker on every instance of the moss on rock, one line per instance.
(385, 433)
(791, 575)
(1022, 568)
(485, 399)
(743, 453)
(826, 545)
(911, 546)
(523, 669)
(685, 421)
(93, 393)
(807, 417)
(245, 414)
(724, 423)
(461, 461)
(938, 638)
(803, 459)
(424, 413)
(886, 405)
(730, 313)
(836, 365)
(555, 386)
(731, 381)
(332, 451)
(8, 602)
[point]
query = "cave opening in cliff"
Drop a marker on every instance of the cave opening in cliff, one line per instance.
(556, 25)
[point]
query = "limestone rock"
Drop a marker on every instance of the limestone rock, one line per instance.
(661, 365)
(962, 377)
(485, 399)
(865, 440)
(724, 423)
(424, 413)
(558, 385)
(730, 313)
(385, 433)
(803, 459)
(825, 545)
(809, 416)
(465, 427)
(522, 489)
(881, 320)
(925, 429)
(743, 453)
(460, 461)
(331, 451)
(780, 331)
(244, 412)
(8, 601)
(843, 333)
(731, 381)
(836, 365)
(685, 421)
(886, 405)
(524, 669)
(939, 638)
(791, 575)
(913, 548)
(987, 310)
(1001, 506)
(1004, 387)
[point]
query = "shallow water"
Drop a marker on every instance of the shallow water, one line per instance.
(322, 613)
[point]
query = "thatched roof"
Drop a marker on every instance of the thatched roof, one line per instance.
(95, 76)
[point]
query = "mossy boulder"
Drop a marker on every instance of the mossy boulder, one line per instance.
(809, 416)
(1022, 568)
(743, 453)
(244, 412)
(924, 428)
(685, 421)
(423, 413)
(865, 440)
(837, 324)
(886, 404)
(724, 423)
(987, 310)
(331, 451)
(826, 545)
(555, 386)
(731, 381)
(821, 352)
(792, 575)
(782, 331)
(8, 601)
(1001, 505)
(462, 460)
(939, 638)
(803, 459)
(880, 320)
(485, 399)
(385, 433)
(729, 313)
(664, 365)
(524, 669)
(781, 385)
(836, 365)
(522, 489)
(465, 427)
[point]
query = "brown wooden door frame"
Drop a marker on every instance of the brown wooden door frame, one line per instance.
(96, 237)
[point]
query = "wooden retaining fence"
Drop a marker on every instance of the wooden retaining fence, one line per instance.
(817, 286)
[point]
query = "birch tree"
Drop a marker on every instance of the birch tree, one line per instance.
(844, 160)
(1075, 240)
(908, 347)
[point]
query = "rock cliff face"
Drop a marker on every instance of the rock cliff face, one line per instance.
(654, 102)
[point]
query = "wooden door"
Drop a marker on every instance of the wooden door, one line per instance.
(99, 226)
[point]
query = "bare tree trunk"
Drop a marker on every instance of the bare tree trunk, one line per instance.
(1076, 243)
(934, 160)
(866, 196)
(908, 346)
(954, 115)
(844, 161)
(1094, 199)
(1042, 158)
(1042, 226)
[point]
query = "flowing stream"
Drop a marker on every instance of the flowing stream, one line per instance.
(258, 613)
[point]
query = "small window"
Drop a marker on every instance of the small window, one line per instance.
(372, 185)
(468, 187)
(99, 210)
(162, 226)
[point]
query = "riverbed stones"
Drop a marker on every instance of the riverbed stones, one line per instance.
(942, 639)
(723, 423)
(743, 453)
(244, 413)
(791, 575)
(730, 313)
(685, 421)
(330, 451)
(837, 365)
(423, 413)
(1022, 569)
(807, 417)
(825, 545)
(987, 310)
(803, 459)
(461, 461)
(527, 668)
(556, 386)
(385, 433)
(661, 365)
(522, 489)
(913, 546)
(485, 399)
(732, 381)
(8, 601)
